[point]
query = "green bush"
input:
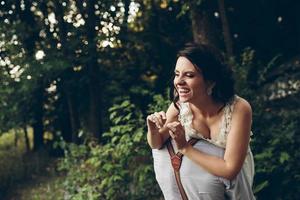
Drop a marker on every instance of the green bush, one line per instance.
(120, 169)
(275, 128)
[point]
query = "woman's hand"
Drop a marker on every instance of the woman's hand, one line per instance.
(156, 120)
(177, 132)
(157, 132)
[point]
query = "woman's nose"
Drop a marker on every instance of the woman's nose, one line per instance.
(180, 81)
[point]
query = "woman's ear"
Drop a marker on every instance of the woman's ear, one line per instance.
(210, 86)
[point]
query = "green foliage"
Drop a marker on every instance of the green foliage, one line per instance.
(276, 130)
(121, 168)
(160, 102)
(277, 154)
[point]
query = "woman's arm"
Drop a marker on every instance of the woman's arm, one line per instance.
(157, 131)
(236, 146)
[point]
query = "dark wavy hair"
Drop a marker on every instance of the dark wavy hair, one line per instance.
(213, 67)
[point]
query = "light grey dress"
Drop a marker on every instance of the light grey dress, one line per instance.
(198, 183)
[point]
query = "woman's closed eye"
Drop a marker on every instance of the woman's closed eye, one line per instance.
(187, 74)
(190, 75)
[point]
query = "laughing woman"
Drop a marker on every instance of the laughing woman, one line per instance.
(201, 144)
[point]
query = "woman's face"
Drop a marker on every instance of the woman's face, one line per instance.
(188, 81)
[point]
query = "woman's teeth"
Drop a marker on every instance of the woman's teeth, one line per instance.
(184, 91)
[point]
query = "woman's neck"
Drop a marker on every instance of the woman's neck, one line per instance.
(206, 107)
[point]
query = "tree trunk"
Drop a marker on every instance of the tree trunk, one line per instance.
(204, 26)
(95, 121)
(226, 29)
(16, 138)
(69, 78)
(297, 18)
(73, 116)
(38, 127)
(26, 138)
(124, 27)
(28, 17)
(37, 96)
(154, 34)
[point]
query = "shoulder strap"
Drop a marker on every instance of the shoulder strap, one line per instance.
(228, 114)
(176, 160)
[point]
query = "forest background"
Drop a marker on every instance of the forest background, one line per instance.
(78, 79)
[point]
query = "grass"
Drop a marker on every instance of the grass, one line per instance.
(45, 186)
(26, 175)
(11, 169)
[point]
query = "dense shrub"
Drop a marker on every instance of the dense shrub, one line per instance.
(121, 168)
(275, 128)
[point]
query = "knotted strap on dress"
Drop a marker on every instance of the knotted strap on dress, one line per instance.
(176, 160)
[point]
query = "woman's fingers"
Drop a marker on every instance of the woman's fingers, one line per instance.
(159, 118)
(174, 125)
(150, 118)
(171, 127)
(177, 133)
(175, 128)
(163, 114)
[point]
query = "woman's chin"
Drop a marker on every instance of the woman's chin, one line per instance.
(183, 99)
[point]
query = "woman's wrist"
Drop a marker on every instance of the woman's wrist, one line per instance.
(152, 131)
(185, 148)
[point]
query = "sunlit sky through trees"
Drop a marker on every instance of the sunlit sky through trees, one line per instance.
(107, 28)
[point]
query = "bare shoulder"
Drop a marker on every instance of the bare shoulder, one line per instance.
(172, 113)
(242, 107)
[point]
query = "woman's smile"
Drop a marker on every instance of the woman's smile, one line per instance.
(184, 92)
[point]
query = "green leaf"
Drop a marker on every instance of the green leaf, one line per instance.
(284, 156)
(261, 186)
